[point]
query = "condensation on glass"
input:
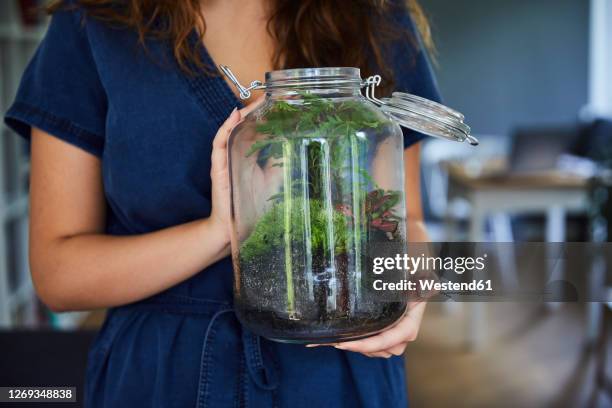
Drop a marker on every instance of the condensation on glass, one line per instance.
(317, 185)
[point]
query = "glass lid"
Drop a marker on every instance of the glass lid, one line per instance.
(420, 114)
(427, 117)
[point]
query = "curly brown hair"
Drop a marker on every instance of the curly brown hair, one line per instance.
(307, 33)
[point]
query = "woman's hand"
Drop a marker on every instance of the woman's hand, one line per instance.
(393, 341)
(220, 214)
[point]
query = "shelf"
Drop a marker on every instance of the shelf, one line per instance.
(14, 208)
(18, 304)
(23, 294)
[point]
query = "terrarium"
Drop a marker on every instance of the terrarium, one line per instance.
(317, 190)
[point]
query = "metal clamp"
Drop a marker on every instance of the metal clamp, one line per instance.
(472, 140)
(370, 85)
(245, 92)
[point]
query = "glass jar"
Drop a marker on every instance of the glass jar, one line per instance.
(317, 189)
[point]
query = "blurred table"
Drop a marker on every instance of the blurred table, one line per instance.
(496, 195)
(488, 193)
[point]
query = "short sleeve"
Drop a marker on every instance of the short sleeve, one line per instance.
(60, 91)
(412, 69)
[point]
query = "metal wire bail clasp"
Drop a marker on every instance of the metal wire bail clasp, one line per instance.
(245, 92)
(370, 86)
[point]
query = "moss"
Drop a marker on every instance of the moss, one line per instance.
(268, 233)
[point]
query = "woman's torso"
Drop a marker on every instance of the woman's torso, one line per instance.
(156, 167)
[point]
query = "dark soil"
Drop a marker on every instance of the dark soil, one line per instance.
(280, 328)
(328, 304)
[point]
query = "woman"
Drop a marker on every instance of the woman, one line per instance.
(129, 191)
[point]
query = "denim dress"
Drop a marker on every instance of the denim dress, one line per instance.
(151, 125)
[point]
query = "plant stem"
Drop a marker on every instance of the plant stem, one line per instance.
(287, 193)
(326, 196)
(304, 173)
(356, 195)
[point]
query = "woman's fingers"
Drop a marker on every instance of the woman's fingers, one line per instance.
(252, 106)
(398, 350)
(220, 141)
(320, 345)
(224, 131)
(401, 333)
(392, 340)
(219, 153)
(379, 354)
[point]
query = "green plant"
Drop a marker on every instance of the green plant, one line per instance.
(379, 205)
(269, 231)
(318, 144)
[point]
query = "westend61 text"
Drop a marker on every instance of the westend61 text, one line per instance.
(477, 285)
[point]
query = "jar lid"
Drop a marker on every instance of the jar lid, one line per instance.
(427, 117)
(420, 114)
(410, 111)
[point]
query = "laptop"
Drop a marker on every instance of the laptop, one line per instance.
(538, 150)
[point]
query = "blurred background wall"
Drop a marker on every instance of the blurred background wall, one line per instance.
(508, 62)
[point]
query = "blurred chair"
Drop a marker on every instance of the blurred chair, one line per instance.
(600, 278)
(442, 214)
(596, 144)
(434, 154)
(604, 382)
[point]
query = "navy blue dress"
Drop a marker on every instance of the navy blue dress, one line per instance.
(152, 127)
